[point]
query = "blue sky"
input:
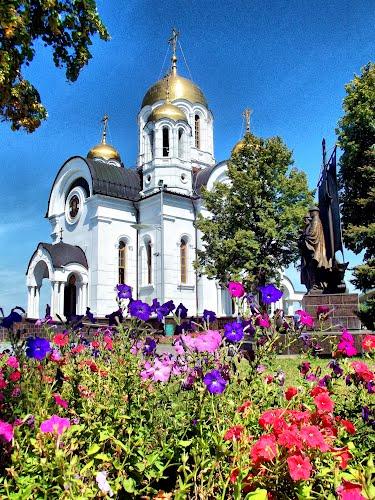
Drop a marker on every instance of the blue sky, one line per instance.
(287, 60)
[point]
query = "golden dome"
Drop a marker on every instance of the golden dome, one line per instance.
(238, 146)
(104, 151)
(179, 88)
(167, 110)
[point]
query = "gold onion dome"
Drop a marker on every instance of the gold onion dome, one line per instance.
(103, 150)
(167, 110)
(238, 146)
(179, 88)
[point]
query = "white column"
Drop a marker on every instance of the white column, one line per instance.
(36, 302)
(60, 310)
(30, 301)
(85, 296)
(290, 308)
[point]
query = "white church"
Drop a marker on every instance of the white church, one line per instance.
(112, 224)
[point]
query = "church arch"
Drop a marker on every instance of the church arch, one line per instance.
(146, 261)
(197, 130)
(166, 140)
(181, 143)
(184, 260)
(123, 256)
(70, 296)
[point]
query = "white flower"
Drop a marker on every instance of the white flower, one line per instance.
(103, 485)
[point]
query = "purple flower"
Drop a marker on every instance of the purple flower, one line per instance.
(208, 316)
(233, 332)
(149, 346)
(37, 348)
(214, 382)
(140, 310)
(304, 367)
(155, 304)
(181, 311)
(90, 316)
(336, 368)
(270, 294)
(186, 326)
(370, 387)
(170, 305)
(124, 291)
(162, 311)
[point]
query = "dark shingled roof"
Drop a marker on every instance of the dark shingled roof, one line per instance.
(110, 180)
(63, 254)
(201, 178)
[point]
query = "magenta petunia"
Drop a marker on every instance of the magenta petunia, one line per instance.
(55, 424)
(6, 431)
(236, 289)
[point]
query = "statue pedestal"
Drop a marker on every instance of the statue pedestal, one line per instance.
(344, 306)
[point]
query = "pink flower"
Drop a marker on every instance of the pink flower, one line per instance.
(346, 345)
(234, 432)
(299, 467)
(13, 362)
(59, 401)
(55, 424)
(264, 449)
(363, 371)
(269, 417)
(6, 431)
(350, 491)
(324, 403)
(208, 341)
(236, 289)
(290, 438)
(313, 438)
(305, 318)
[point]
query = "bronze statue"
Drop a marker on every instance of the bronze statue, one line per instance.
(321, 237)
(314, 264)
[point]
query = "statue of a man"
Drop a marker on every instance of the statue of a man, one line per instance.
(314, 263)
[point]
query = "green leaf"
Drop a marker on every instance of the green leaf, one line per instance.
(258, 494)
(129, 485)
(94, 448)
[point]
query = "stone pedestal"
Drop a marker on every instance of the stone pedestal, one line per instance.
(344, 306)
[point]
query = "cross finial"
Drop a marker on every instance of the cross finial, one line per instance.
(105, 126)
(246, 114)
(173, 43)
(61, 233)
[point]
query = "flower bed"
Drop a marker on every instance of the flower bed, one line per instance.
(107, 416)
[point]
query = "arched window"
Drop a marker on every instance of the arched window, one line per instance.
(122, 260)
(183, 261)
(151, 138)
(180, 143)
(165, 141)
(149, 262)
(197, 131)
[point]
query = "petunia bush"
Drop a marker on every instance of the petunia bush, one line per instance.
(110, 413)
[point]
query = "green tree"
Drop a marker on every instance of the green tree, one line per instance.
(356, 137)
(254, 221)
(67, 26)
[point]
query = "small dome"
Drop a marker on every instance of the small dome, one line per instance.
(238, 146)
(179, 88)
(104, 151)
(167, 110)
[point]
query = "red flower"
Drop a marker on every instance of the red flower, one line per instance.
(290, 393)
(299, 467)
(349, 426)
(244, 406)
(61, 339)
(299, 416)
(318, 390)
(234, 475)
(269, 416)
(59, 401)
(79, 348)
(95, 344)
(363, 371)
(3, 383)
(368, 343)
(290, 438)
(234, 432)
(264, 449)
(350, 491)
(324, 403)
(313, 437)
(15, 376)
(343, 454)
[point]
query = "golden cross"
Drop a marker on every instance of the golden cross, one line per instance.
(246, 114)
(105, 125)
(173, 43)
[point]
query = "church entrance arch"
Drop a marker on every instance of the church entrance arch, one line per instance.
(70, 297)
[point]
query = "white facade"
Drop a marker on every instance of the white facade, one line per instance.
(140, 220)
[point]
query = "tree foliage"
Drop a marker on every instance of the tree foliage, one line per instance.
(252, 228)
(67, 26)
(356, 135)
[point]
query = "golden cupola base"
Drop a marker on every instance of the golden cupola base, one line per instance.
(103, 150)
(167, 110)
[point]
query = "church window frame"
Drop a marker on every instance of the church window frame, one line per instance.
(181, 143)
(123, 254)
(197, 130)
(74, 205)
(184, 261)
(166, 140)
(146, 262)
